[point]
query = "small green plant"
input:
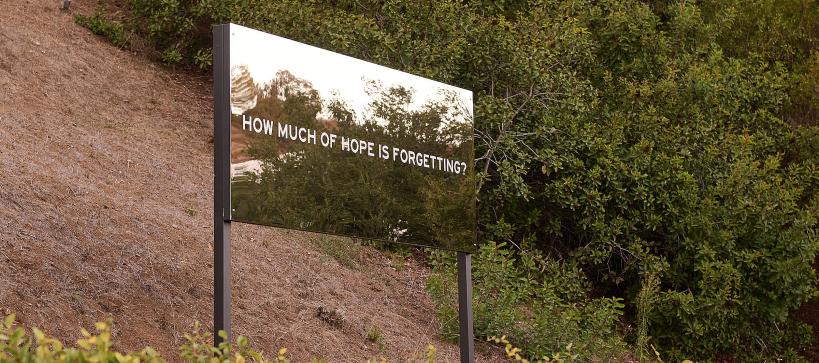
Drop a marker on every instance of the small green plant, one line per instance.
(112, 30)
(203, 58)
(190, 211)
(172, 56)
(374, 336)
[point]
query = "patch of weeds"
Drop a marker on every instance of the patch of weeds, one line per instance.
(398, 253)
(112, 30)
(398, 259)
(344, 251)
(190, 211)
(374, 336)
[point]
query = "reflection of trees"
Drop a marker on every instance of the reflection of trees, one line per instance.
(315, 188)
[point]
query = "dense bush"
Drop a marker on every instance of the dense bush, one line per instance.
(661, 140)
(541, 304)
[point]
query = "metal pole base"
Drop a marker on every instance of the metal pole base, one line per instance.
(467, 336)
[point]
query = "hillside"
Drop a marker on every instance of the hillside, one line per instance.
(106, 192)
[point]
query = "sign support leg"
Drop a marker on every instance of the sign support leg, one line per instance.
(221, 278)
(221, 182)
(467, 336)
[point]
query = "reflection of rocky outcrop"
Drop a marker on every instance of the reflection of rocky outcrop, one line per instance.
(243, 93)
(286, 84)
(250, 167)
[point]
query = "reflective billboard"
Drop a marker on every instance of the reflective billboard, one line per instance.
(323, 142)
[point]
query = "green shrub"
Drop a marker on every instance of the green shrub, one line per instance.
(518, 355)
(18, 345)
(172, 56)
(539, 304)
(112, 30)
(203, 58)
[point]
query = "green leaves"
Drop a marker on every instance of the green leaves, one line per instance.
(112, 30)
(17, 346)
(541, 304)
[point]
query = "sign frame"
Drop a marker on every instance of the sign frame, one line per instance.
(222, 286)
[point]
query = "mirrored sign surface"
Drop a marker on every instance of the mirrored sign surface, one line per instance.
(328, 143)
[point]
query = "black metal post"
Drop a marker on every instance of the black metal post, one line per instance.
(221, 279)
(467, 336)
(221, 182)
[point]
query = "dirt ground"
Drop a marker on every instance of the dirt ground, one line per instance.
(105, 211)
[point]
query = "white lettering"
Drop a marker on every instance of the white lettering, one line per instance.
(268, 127)
(282, 130)
(325, 139)
(370, 146)
(302, 134)
(404, 156)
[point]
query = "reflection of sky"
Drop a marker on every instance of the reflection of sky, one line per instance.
(333, 75)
